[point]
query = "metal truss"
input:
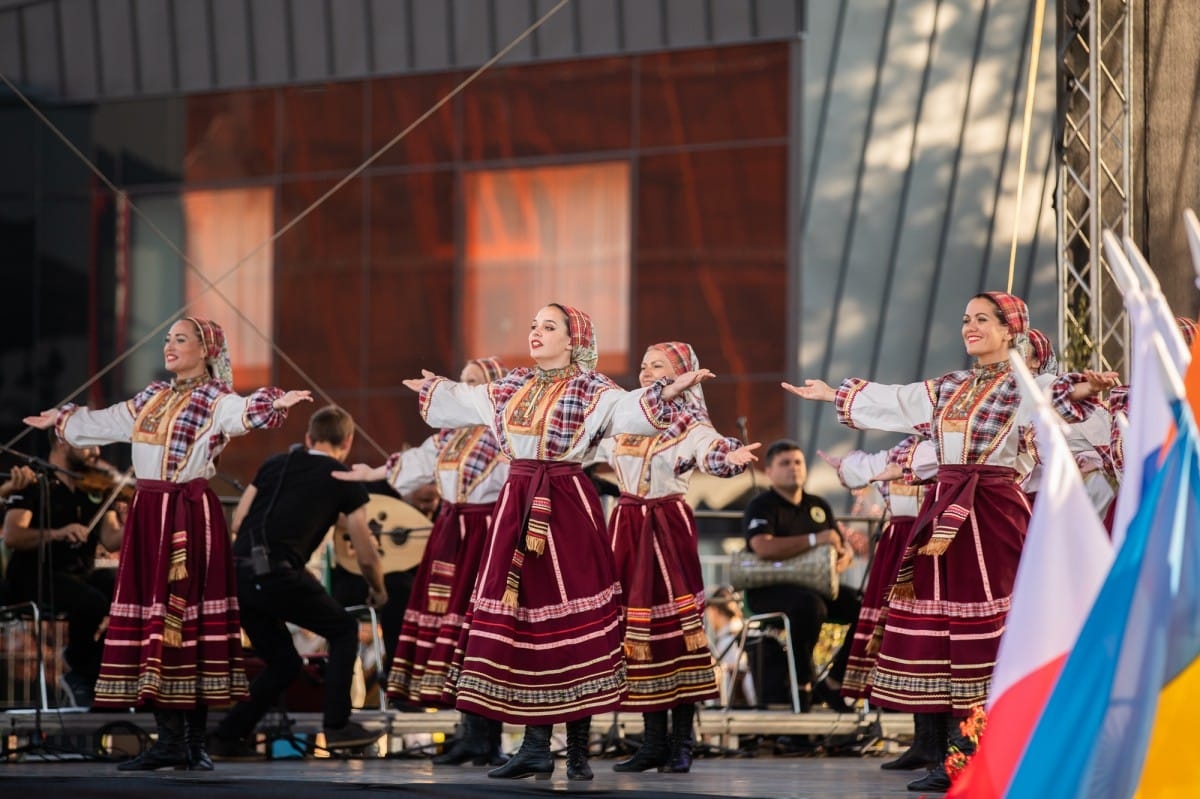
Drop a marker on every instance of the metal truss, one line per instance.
(1093, 192)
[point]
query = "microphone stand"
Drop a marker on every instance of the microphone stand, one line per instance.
(43, 470)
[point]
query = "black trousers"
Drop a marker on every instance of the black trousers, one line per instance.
(267, 604)
(806, 612)
(85, 599)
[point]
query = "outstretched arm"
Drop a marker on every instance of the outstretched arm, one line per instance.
(817, 390)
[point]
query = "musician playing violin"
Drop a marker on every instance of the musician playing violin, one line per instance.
(72, 530)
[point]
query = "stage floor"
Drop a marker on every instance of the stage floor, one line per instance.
(766, 777)
(745, 757)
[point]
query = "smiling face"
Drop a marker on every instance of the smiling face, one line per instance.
(655, 364)
(183, 352)
(986, 337)
(550, 338)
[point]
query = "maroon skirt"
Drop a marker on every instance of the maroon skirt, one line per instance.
(544, 634)
(888, 553)
(174, 637)
(939, 645)
(438, 603)
(658, 563)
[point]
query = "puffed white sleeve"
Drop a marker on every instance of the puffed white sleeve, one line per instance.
(445, 403)
(83, 427)
(858, 467)
(643, 412)
(413, 468)
(874, 406)
(235, 415)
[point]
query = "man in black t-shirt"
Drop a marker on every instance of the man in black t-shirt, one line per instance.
(279, 521)
(782, 523)
(70, 582)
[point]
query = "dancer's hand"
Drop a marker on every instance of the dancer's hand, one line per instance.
(418, 383)
(832, 460)
(684, 382)
(817, 390)
(1093, 384)
(44, 420)
(291, 398)
(743, 456)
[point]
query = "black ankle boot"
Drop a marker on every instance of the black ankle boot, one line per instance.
(169, 751)
(494, 757)
(470, 744)
(926, 746)
(936, 780)
(578, 740)
(679, 760)
(653, 751)
(533, 759)
(197, 739)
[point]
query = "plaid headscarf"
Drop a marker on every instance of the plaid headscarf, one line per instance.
(216, 350)
(1013, 311)
(1043, 352)
(491, 366)
(682, 358)
(1188, 328)
(583, 337)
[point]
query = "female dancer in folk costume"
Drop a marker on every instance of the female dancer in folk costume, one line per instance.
(174, 640)
(894, 473)
(1082, 437)
(947, 609)
(891, 472)
(654, 541)
(469, 470)
(543, 642)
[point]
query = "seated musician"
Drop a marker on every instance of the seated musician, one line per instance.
(71, 531)
(281, 519)
(780, 523)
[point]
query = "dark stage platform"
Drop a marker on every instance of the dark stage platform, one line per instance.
(771, 753)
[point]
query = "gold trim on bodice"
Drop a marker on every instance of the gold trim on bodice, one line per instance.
(529, 408)
(153, 424)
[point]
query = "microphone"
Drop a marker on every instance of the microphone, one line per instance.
(741, 426)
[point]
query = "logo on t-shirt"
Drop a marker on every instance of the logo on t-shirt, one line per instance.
(817, 514)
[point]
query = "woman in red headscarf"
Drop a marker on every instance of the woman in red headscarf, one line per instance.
(174, 640)
(653, 535)
(948, 605)
(543, 641)
(469, 471)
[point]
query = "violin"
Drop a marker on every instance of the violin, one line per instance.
(101, 480)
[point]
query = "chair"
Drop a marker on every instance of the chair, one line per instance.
(758, 627)
(22, 612)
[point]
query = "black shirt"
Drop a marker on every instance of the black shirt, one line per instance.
(770, 513)
(309, 502)
(66, 506)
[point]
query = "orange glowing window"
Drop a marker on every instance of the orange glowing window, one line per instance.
(546, 234)
(220, 227)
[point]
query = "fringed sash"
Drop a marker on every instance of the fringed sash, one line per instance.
(443, 551)
(536, 518)
(943, 516)
(177, 574)
(641, 593)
